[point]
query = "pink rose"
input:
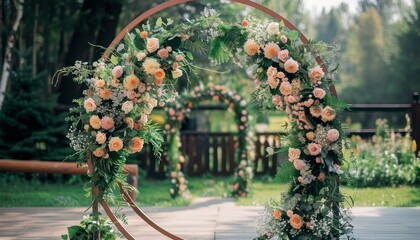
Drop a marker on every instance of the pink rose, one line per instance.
(117, 71)
(319, 93)
(308, 102)
(291, 66)
(273, 82)
(245, 23)
(314, 149)
(291, 99)
(100, 138)
(143, 119)
(271, 72)
(169, 48)
(107, 123)
(175, 65)
(281, 75)
(316, 74)
(152, 44)
(283, 39)
(285, 88)
(163, 53)
(333, 135)
(140, 56)
(251, 47)
(294, 153)
(283, 55)
(289, 213)
(276, 100)
(127, 106)
(89, 105)
(299, 164)
(179, 57)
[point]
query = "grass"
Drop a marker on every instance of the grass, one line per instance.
(155, 193)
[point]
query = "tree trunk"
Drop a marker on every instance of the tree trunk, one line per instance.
(7, 62)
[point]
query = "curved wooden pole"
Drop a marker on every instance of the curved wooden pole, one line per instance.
(115, 221)
(143, 216)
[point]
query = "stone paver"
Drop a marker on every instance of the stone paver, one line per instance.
(205, 219)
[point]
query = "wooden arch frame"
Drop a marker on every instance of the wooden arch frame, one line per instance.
(116, 40)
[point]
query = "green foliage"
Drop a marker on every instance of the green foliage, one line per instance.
(89, 226)
(30, 127)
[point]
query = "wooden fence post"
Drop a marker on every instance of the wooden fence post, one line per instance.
(415, 119)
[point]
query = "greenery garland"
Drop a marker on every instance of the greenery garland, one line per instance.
(176, 113)
(110, 121)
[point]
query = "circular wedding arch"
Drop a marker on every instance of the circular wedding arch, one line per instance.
(106, 55)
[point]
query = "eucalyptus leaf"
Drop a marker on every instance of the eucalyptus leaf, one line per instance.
(159, 22)
(293, 35)
(120, 47)
(114, 60)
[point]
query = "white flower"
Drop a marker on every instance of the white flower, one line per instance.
(273, 28)
(176, 73)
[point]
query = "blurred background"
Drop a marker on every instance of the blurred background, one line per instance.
(375, 42)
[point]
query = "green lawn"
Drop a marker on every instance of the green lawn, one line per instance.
(155, 193)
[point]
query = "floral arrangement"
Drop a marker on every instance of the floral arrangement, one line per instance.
(110, 121)
(182, 106)
(242, 179)
(88, 226)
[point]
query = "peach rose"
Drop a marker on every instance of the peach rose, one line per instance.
(107, 123)
(273, 82)
(333, 135)
(283, 55)
(117, 71)
(314, 149)
(310, 136)
(140, 55)
(271, 50)
(271, 72)
(115, 144)
(283, 39)
(105, 94)
(251, 47)
(316, 74)
(130, 122)
(291, 66)
(245, 23)
(144, 34)
(131, 82)
(285, 88)
(127, 107)
(136, 144)
(163, 53)
(100, 83)
(159, 74)
(89, 105)
(181, 180)
(173, 174)
(281, 75)
(315, 110)
(273, 28)
(100, 138)
(152, 44)
(150, 65)
(276, 100)
(319, 93)
(153, 102)
(276, 214)
(296, 221)
(182, 187)
(299, 164)
(95, 122)
(328, 114)
(294, 153)
(99, 152)
(115, 82)
(176, 73)
(179, 58)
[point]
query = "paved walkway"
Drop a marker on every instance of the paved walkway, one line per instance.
(205, 219)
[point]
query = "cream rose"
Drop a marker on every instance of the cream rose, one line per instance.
(152, 44)
(100, 138)
(283, 55)
(271, 72)
(136, 144)
(316, 74)
(291, 66)
(150, 65)
(271, 50)
(319, 93)
(115, 144)
(107, 123)
(333, 135)
(296, 221)
(117, 71)
(328, 114)
(294, 153)
(130, 122)
(176, 73)
(89, 105)
(127, 107)
(143, 119)
(95, 122)
(314, 149)
(285, 88)
(140, 55)
(131, 82)
(273, 28)
(251, 47)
